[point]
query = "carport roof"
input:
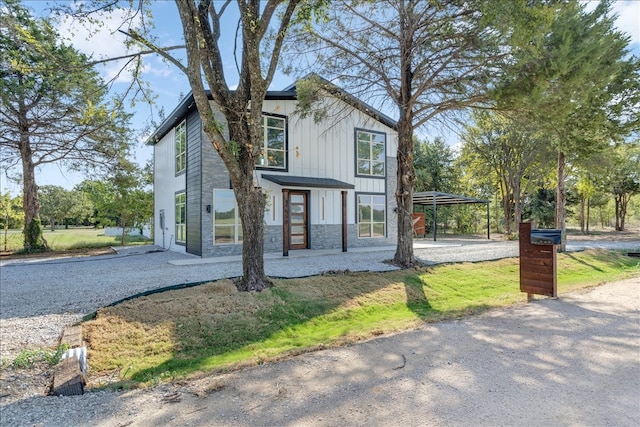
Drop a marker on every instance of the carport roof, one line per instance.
(439, 199)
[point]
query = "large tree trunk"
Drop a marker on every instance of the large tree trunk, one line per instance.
(581, 216)
(404, 195)
(6, 230)
(251, 205)
(33, 239)
(123, 236)
(561, 196)
(617, 211)
(508, 214)
(406, 175)
(242, 107)
(517, 208)
(621, 210)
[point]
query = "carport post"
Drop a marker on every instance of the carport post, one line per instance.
(435, 218)
(488, 224)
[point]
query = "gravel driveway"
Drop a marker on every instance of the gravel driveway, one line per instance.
(530, 366)
(82, 285)
(572, 361)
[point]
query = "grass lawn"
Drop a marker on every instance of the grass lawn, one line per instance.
(213, 327)
(69, 239)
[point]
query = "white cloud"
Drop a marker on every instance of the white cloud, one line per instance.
(628, 16)
(628, 19)
(100, 39)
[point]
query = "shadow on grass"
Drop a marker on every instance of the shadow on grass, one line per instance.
(293, 317)
(611, 259)
(212, 328)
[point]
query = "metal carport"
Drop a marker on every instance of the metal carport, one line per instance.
(436, 198)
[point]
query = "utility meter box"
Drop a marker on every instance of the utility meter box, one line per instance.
(547, 236)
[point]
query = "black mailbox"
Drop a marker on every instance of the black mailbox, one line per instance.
(547, 236)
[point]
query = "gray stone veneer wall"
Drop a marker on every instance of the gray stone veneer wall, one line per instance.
(392, 216)
(322, 236)
(214, 175)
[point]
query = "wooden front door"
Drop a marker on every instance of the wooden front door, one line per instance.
(299, 220)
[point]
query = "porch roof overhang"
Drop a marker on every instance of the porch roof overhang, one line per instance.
(439, 199)
(307, 181)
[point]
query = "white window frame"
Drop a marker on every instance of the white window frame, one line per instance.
(262, 161)
(372, 142)
(237, 223)
(370, 221)
(181, 147)
(181, 217)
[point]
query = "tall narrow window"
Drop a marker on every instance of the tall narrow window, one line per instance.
(371, 153)
(227, 227)
(274, 143)
(181, 147)
(181, 217)
(371, 215)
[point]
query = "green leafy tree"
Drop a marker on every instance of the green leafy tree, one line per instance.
(261, 29)
(53, 203)
(586, 190)
(53, 109)
(624, 179)
(422, 59)
(581, 85)
(124, 199)
(130, 198)
(101, 195)
(510, 150)
(11, 213)
(435, 167)
(59, 205)
(540, 208)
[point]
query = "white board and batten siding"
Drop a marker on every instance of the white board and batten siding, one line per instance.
(324, 150)
(166, 185)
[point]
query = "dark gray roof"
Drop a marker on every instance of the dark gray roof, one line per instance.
(429, 197)
(289, 93)
(306, 181)
(188, 103)
(356, 103)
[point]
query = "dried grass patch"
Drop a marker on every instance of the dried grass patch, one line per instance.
(210, 299)
(215, 327)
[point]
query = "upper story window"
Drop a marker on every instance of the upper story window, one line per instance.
(273, 152)
(181, 147)
(371, 153)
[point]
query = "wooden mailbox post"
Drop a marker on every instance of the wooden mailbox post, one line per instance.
(538, 266)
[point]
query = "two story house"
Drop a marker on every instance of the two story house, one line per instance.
(328, 184)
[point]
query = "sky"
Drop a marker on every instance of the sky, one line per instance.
(170, 85)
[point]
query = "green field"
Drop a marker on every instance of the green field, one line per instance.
(69, 239)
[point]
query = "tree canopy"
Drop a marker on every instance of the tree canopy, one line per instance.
(582, 86)
(422, 59)
(233, 125)
(54, 108)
